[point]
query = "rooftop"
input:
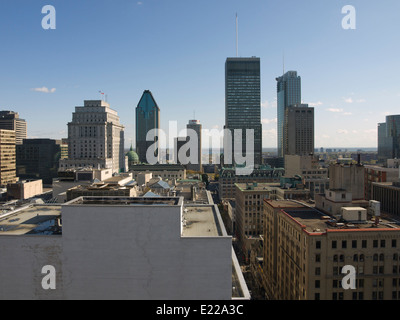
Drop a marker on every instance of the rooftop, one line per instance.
(32, 219)
(125, 201)
(314, 221)
(257, 186)
(202, 221)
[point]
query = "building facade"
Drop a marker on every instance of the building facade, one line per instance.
(308, 167)
(389, 138)
(119, 248)
(10, 120)
(305, 254)
(288, 93)
(7, 157)
(95, 138)
(228, 178)
(38, 159)
(298, 132)
(147, 118)
(243, 106)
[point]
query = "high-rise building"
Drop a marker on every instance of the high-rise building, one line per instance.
(38, 159)
(243, 103)
(10, 120)
(389, 138)
(298, 130)
(288, 94)
(179, 142)
(7, 157)
(147, 118)
(95, 138)
(196, 126)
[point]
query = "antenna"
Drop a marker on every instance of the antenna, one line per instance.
(283, 57)
(237, 40)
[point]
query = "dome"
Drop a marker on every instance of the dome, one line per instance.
(132, 156)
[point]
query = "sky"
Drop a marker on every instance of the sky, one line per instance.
(177, 50)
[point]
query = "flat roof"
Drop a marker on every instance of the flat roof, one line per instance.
(125, 201)
(284, 204)
(314, 221)
(201, 221)
(32, 219)
(258, 186)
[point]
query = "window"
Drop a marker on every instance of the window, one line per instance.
(375, 244)
(317, 258)
(318, 245)
(394, 243)
(354, 244)
(317, 284)
(334, 244)
(344, 244)
(383, 243)
(364, 244)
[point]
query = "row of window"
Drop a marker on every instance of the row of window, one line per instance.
(354, 244)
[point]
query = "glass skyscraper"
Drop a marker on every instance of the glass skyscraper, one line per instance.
(147, 118)
(289, 93)
(389, 138)
(243, 101)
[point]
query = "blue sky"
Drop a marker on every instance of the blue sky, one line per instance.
(177, 49)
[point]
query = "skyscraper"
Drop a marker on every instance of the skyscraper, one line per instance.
(288, 93)
(10, 120)
(196, 126)
(298, 130)
(389, 138)
(243, 101)
(7, 157)
(179, 142)
(95, 138)
(147, 118)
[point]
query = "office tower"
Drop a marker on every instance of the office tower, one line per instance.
(389, 138)
(298, 130)
(243, 103)
(38, 159)
(288, 93)
(10, 120)
(7, 157)
(147, 118)
(196, 126)
(95, 138)
(179, 142)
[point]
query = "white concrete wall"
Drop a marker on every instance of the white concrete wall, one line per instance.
(21, 261)
(117, 253)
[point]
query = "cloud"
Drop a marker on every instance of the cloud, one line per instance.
(315, 104)
(361, 100)
(335, 110)
(268, 121)
(348, 100)
(267, 104)
(44, 89)
(139, 3)
(342, 131)
(347, 113)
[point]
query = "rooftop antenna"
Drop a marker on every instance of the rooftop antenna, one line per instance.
(237, 38)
